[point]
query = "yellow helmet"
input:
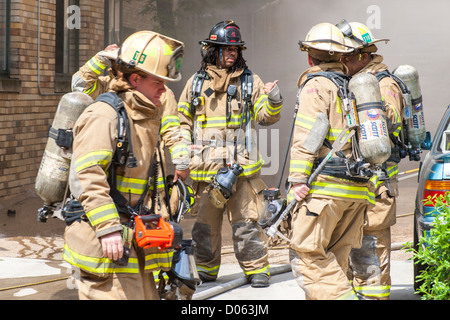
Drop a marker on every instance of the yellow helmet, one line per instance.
(358, 36)
(325, 39)
(151, 53)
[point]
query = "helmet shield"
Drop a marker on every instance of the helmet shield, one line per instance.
(151, 53)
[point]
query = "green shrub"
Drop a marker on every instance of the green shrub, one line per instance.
(433, 252)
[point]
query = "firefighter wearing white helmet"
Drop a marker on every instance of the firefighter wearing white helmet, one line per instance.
(98, 239)
(328, 218)
(373, 258)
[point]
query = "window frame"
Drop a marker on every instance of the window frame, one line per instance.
(5, 73)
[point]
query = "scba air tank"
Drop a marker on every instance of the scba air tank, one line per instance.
(373, 134)
(53, 174)
(414, 117)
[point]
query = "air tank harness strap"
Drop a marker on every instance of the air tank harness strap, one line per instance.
(337, 167)
(62, 137)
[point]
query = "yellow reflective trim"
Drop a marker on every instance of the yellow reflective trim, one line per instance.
(262, 100)
(169, 121)
(162, 260)
(99, 157)
(98, 265)
(264, 270)
(91, 89)
(131, 185)
(304, 121)
(342, 190)
(209, 270)
(102, 214)
(301, 166)
(348, 296)
(185, 108)
(95, 66)
(252, 168)
(179, 150)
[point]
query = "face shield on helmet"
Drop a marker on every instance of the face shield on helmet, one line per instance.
(325, 42)
(151, 53)
(358, 36)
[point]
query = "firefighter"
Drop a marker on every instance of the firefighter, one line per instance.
(328, 223)
(90, 81)
(93, 241)
(370, 264)
(218, 109)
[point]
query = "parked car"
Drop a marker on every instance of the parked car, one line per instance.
(434, 180)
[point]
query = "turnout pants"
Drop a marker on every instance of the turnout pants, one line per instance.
(370, 265)
(324, 232)
(118, 286)
(243, 210)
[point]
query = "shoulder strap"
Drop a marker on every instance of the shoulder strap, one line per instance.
(339, 79)
(247, 85)
(386, 73)
(124, 149)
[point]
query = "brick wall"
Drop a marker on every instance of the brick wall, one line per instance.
(24, 113)
(26, 108)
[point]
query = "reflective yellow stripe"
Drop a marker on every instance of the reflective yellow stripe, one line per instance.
(304, 121)
(179, 150)
(342, 190)
(397, 131)
(160, 260)
(252, 168)
(98, 265)
(219, 122)
(209, 270)
(185, 108)
(199, 175)
(169, 121)
(264, 270)
(348, 296)
(374, 291)
(102, 213)
(101, 158)
(91, 89)
(131, 185)
(262, 100)
(95, 65)
(301, 166)
(392, 170)
(186, 135)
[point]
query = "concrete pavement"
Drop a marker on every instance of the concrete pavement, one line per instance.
(40, 279)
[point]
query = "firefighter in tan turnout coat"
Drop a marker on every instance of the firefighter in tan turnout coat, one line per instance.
(372, 260)
(94, 242)
(328, 223)
(90, 81)
(216, 115)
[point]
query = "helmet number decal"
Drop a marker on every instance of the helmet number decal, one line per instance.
(141, 59)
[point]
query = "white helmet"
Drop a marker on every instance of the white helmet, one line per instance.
(358, 36)
(325, 39)
(151, 53)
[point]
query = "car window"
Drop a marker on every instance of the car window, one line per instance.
(443, 145)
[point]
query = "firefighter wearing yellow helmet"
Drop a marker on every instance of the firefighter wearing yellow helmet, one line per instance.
(328, 221)
(373, 258)
(89, 80)
(98, 239)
